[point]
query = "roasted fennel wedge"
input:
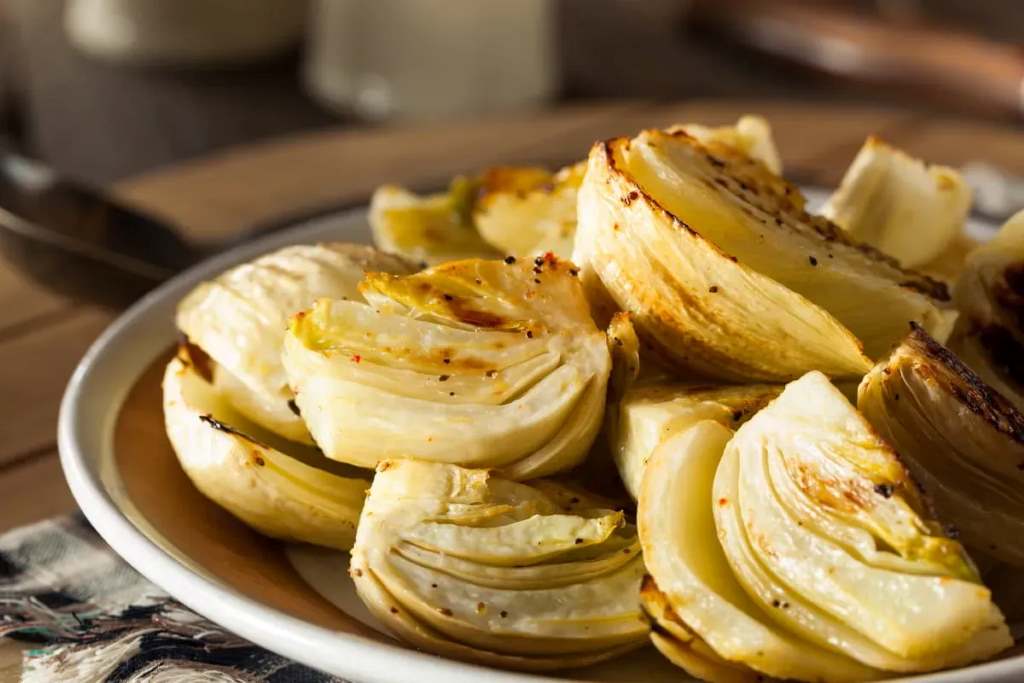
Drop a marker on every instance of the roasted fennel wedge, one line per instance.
(727, 275)
(750, 135)
(799, 547)
(646, 405)
(529, 211)
(239, 318)
(517, 210)
(478, 363)
(276, 494)
(908, 209)
(989, 335)
(649, 413)
(465, 564)
(431, 228)
(961, 439)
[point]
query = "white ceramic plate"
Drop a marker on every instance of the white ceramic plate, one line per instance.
(117, 464)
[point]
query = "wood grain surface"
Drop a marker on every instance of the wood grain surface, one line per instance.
(42, 335)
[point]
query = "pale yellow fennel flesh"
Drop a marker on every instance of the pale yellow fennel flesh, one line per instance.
(463, 563)
(799, 547)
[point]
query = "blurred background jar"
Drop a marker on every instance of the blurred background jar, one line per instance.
(424, 59)
(184, 32)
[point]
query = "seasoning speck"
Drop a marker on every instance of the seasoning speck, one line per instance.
(444, 611)
(444, 378)
(504, 614)
(510, 260)
(713, 289)
(813, 260)
(884, 490)
(529, 334)
(449, 297)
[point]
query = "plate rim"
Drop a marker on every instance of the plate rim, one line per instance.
(85, 443)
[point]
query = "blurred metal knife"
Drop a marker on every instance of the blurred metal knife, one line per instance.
(82, 243)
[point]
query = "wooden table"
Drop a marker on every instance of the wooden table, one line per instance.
(42, 336)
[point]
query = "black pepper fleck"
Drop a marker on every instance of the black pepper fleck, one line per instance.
(884, 490)
(444, 378)
(713, 289)
(813, 260)
(510, 260)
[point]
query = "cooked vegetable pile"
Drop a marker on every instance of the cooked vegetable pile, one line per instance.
(651, 397)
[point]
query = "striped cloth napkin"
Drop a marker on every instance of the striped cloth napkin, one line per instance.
(84, 615)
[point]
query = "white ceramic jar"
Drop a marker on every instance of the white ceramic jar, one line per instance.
(431, 59)
(184, 32)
